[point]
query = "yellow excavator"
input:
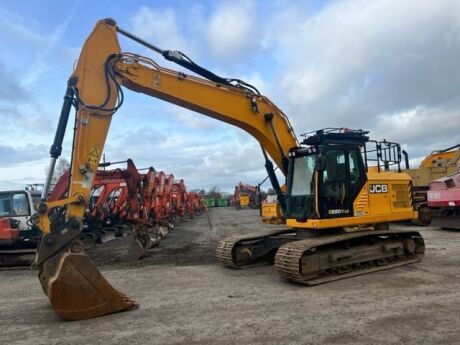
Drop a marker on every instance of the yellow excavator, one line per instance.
(329, 185)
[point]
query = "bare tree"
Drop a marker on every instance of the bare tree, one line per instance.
(214, 193)
(61, 167)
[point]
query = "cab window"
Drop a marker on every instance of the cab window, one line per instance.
(5, 205)
(14, 205)
(20, 205)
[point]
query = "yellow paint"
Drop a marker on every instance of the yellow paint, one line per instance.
(44, 222)
(244, 200)
(271, 213)
(434, 166)
(437, 159)
(319, 224)
(369, 208)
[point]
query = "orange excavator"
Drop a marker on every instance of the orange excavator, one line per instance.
(330, 189)
(246, 196)
(179, 200)
(114, 208)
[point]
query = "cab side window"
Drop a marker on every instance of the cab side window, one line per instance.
(5, 205)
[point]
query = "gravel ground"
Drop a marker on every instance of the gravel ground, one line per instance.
(186, 298)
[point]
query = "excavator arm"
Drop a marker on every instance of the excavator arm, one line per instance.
(69, 278)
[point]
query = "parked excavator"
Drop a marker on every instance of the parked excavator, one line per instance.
(270, 210)
(437, 165)
(328, 183)
(18, 239)
(444, 201)
(246, 195)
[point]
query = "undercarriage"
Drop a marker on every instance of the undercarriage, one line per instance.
(308, 258)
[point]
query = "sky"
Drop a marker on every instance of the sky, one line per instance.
(387, 66)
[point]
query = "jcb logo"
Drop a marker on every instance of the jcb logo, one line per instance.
(378, 188)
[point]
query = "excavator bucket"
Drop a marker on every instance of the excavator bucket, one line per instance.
(76, 288)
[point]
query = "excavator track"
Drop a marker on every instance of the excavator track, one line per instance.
(242, 250)
(333, 257)
(16, 258)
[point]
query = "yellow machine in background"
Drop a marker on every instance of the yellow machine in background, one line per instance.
(270, 211)
(330, 189)
(244, 200)
(246, 196)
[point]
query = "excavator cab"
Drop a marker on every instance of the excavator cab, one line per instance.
(331, 183)
(324, 178)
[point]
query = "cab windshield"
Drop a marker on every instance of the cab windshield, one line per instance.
(301, 196)
(14, 204)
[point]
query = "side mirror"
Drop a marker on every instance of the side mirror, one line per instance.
(320, 164)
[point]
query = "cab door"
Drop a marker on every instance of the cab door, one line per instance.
(340, 181)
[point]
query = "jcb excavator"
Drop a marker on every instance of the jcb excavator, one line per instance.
(327, 183)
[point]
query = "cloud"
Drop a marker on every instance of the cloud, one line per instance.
(233, 30)
(159, 27)
(17, 175)
(387, 66)
(11, 90)
(21, 35)
(421, 130)
(49, 46)
(14, 155)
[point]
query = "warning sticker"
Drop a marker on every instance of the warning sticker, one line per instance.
(94, 155)
(156, 80)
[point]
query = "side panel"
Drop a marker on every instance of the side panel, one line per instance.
(379, 197)
(361, 203)
(386, 197)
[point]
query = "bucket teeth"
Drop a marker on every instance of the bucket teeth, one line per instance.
(128, 300)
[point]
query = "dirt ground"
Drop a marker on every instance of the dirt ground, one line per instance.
(186, 298)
